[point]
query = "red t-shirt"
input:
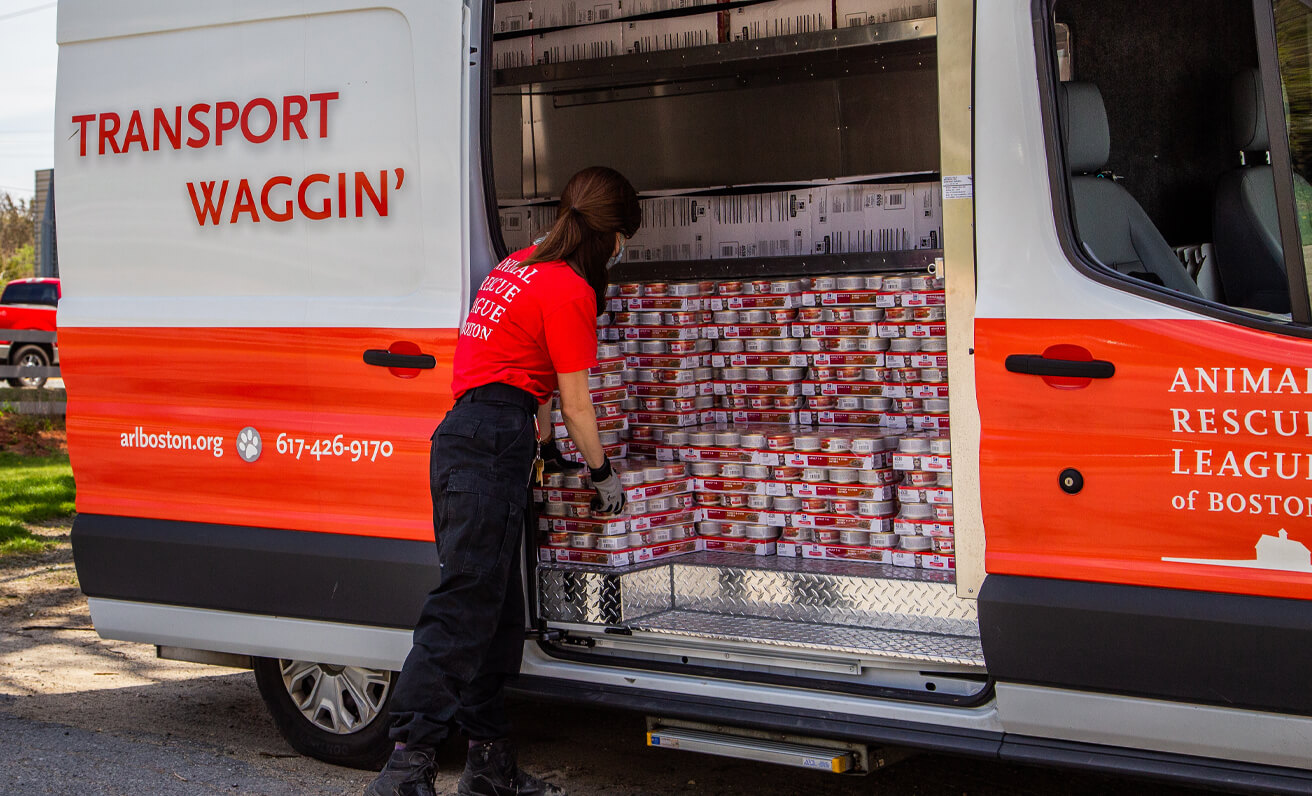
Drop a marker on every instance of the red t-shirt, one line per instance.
(528, 323)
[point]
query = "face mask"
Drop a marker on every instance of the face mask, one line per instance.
(618, 258)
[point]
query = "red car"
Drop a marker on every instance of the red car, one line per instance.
(29, 304)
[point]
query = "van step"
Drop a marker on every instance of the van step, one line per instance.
(935, 648)
(838, 761)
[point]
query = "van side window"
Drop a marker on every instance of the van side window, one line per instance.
(1168, 153)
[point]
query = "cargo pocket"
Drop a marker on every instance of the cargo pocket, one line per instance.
(480, 523)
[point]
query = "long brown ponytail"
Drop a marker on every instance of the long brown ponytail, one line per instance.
(596, 203)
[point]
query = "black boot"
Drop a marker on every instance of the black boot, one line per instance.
(491, 771)
(409, 772)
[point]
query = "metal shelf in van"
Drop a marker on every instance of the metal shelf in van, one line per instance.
(753, 267)
(809, 52)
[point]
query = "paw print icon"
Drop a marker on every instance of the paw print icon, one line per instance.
(249, 444)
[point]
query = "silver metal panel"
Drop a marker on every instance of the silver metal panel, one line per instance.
(898, 645)
(812, 597)
(646, 591)
(580, 595)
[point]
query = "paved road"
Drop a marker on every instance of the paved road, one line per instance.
(80, 715)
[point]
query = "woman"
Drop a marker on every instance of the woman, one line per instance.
(532, 330)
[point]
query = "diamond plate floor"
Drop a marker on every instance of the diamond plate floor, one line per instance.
(900, 645)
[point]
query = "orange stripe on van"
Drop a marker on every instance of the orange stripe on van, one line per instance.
(149, 409)
(1231, 520)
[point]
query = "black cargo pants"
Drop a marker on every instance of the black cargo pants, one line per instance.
(470, 636)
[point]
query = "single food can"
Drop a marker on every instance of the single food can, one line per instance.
(752, 440)
(631, 347)
(779, 442)
(876, 477)
(705, 469)
(919, 478)
(828, 536)
(937, 406)
(731, 470)
(731, 288)
(785, 345)
(896, 284)
(815, 475)
(725, 317)
(655, 289)
(883, 540)
(760, 287)
(675, 438)
(727, 439)
(850, 283)
(701, 439)
(635, 508)
(898, 315)
(682, 347)
(553, 480)
(848, 403)
(835, 444)
(630, 290)
(794, 534)
(608, 437)
(710, 528)
(908, 405)
(754, 316)
(653, 475)
(787, 473)
(579, 511)
(583, 541)
(782, 315)
(933, 375)
(904, 345)
(681, 318)
(787, 374)
(874, 282)
(573, 480)
(761, 532)
(806, 443)
(676, 470)
(811, 314)
(558, 539)
(788, 402)
(821, 402)
(843, 506)
(877, 508)
(943, 512)
(821, 283)
(815, 505)
(653, 404)
(855, 538)
(917, 543)
(757, 374)
(658, 505)
(756, 472)
(788, 504)
(612, 543)
(841, 476)
(848, 374)
(866, 445)
(929, 314)
(707, 498)
(757, 345)
(876, 403)
(733, 500)
(944, 479)
(785, 286)
(759, 502)
(685, 289)
(823, 373)
(552, 509)
(916, 512)
(933, 345)
(867, 314)
(733, 374)
(841, 314)
(811, 345)
(734, 530)
(872, 344)
(760, 402)
(940, 446)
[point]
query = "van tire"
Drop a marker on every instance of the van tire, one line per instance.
(365, 748)
(34, 356)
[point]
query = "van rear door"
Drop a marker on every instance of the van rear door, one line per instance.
(262, 240)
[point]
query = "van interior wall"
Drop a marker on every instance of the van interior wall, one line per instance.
(1164, 69)
(866, 124)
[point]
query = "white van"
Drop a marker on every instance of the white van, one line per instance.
(274, 214)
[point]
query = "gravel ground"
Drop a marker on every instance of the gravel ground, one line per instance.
(81, 715)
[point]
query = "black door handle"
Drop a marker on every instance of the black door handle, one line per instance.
(1039, 365)
(386, 359)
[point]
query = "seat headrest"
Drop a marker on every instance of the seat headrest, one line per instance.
(1249, 120)
(1084, 124)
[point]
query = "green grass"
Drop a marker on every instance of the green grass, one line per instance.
(32, 489)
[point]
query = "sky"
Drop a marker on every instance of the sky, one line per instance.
(28, 54)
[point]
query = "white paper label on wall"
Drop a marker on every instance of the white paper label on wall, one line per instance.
(958, 186)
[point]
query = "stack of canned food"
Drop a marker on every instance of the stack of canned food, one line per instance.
(658, 520)
(610, 395)
(811, 416)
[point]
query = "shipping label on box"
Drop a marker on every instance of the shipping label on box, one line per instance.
(850, 13)
(579, 44)
(779, 18)
(512, 17)
(673, 228)
(927, 201)
(568, 13)
(863, 218)
(783, 227)
(633, 8)
(671, 33)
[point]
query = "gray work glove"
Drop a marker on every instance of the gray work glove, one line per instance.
(610, 493)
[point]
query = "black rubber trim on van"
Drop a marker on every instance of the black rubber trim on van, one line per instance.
(1230, 650)
(1059, 185)
(323, 576)
(1180, 769)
